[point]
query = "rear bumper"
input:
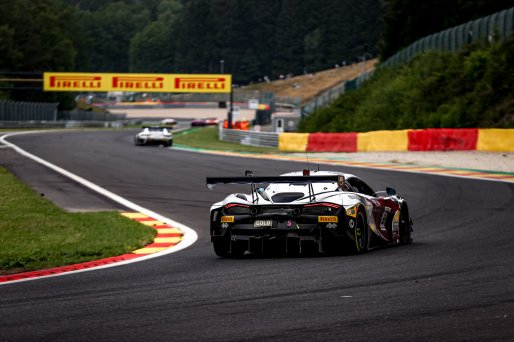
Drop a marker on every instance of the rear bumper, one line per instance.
(309, 238)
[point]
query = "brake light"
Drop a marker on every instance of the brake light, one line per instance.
(231, 205)
(237, 209)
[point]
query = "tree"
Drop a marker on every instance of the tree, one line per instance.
(153, 49)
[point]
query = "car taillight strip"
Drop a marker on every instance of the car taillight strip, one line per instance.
(230, 205)
(331, 205)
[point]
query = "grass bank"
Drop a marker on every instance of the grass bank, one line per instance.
(207, 138)
(35, 234)
(470, 88)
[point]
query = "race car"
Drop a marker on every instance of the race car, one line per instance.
(304, 213)
(154, 135)
(204, 122)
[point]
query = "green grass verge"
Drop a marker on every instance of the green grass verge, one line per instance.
(207, 138)
(35, 234)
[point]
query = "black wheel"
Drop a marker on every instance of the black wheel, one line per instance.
(405, 226)
(170, 143)
(360, 234)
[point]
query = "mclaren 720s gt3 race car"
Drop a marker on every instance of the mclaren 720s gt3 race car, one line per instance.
(304, 213)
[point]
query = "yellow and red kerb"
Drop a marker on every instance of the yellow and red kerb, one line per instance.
(167, 237)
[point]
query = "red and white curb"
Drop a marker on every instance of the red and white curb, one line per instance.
(171, 236)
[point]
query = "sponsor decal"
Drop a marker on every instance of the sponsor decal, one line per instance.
(75, 82)
(200, 83)
(227, 219)
(170, 83)
(351, 212)
(138, 82)
(263, 223)
(351, 223)
(324, 219)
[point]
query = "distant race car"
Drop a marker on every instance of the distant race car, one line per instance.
(204, 122)
(306, 212)
(154, 136)
(169, 123)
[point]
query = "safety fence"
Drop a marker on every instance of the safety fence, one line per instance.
(330, 95)
(89, 116)
(45, 115)
(264, 139)
(27, 111)
(433, 139)
(495, 26)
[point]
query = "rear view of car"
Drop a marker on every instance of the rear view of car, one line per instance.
(154, 136)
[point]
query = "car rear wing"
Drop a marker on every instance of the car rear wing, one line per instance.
(309, 180)
(212, 181)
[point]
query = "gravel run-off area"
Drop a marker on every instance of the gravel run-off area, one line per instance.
(475, 160)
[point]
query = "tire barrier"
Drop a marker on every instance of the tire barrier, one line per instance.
(332, 142)
(431, 139)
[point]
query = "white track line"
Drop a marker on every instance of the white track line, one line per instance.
(189, 235)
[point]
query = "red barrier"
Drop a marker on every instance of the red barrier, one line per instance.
(332, 142)
(443, 139)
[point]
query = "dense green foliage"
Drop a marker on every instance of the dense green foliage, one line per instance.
(473, 88)
(406, 21)
(253, 38)
(36, 234)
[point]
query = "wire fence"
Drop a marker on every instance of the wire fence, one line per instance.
(14, 111)
(27, 111)
(330, 95)
(495, 26)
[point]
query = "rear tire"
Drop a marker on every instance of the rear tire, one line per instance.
(360, 234)
(405, 226)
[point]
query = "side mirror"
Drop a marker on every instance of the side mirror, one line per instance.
(390, 191)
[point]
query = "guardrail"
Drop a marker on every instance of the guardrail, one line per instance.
(263, 139)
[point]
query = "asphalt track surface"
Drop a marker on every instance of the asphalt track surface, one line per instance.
(455, 282)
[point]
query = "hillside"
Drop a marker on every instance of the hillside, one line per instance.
(310, 85)
(471, 88)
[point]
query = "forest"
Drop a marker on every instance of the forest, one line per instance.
(250, 39)
(247, 38)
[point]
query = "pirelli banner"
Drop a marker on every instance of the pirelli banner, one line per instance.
(158, 83)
